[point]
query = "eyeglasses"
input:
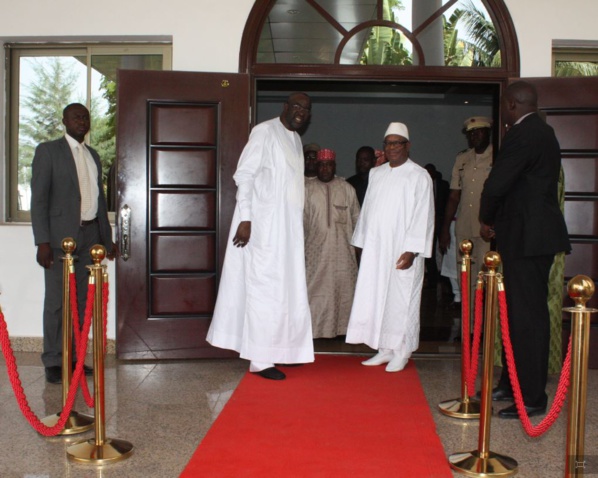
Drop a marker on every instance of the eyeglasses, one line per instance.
(392, 144)
(298, 107)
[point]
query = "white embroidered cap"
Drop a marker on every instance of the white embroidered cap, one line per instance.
(397, 128)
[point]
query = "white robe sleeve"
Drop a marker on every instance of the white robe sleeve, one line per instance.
(248, 168)
(419, 234)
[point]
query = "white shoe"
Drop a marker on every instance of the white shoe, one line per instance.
(397, 363)
(378, 359)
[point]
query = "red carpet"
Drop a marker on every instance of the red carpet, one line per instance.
(333, 418)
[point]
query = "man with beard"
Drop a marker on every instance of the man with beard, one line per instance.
(331, 211)
(262, 310)
(394, 231)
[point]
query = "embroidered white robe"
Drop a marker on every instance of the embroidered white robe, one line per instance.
(262, 310)
(397, 217)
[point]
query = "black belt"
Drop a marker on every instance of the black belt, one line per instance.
(88, 223)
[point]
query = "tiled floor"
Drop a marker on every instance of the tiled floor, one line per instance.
(164, 409)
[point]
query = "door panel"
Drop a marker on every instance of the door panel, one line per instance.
(571, 107)
(179, 138)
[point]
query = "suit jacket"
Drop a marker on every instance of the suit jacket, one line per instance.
(520, 196)
(55, 195)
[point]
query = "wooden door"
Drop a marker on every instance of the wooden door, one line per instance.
(571, 107)
(180, 135)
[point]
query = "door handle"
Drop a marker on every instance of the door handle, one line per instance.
(125, 232)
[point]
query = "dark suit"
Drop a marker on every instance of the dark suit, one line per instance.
(56, 215)
(520, 200)
(360, 184)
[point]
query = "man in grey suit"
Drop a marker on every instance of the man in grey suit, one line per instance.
(67, 201)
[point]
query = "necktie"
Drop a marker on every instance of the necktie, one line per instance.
(83, 174)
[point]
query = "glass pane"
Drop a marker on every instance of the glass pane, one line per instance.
(386, 46)
(102, 135)
(470, 37)
(576, 68)
(464, 35)
(47, 84)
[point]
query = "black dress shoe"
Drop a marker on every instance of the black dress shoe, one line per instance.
(86, 370)
(289, 364)
(54, 375)
(271, 373)
(499, 395)
(511, 412)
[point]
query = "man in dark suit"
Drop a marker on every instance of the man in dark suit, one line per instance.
(67, 200)
(365, 159)
(441, 193)
(520, 208)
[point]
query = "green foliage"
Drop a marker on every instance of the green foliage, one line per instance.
(43, 103)
(576, 68)
(41, 113)
(483, 50)
(385, 45)
(103, 126)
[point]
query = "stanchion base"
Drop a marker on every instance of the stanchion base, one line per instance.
(470, 464)
(87, 451)
(459, 408)
(76, 423)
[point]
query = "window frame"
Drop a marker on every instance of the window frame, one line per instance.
(13, 54)
(573, 51)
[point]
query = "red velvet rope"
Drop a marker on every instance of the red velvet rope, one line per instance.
(471, 352)
(477, 335)
(465, 333)
(17, 386)
(78, 336)
(561, 393)
(105, 295)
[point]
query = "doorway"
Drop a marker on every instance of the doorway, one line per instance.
(349, 114)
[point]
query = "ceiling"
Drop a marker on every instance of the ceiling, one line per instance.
(296, 32)
(335, 91)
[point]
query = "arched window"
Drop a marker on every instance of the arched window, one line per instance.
(414, 35)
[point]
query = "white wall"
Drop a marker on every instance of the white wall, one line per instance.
(206, 37)
(538, 22)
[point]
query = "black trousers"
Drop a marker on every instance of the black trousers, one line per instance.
(526, 288)
(87, 237)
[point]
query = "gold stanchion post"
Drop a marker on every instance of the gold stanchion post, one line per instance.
(99, 450)
(463, 407)
(483, 462)
(580, 288)
(77, 422)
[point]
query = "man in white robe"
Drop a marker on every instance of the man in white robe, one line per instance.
(331, 212)
(262, 310)
(395, 231)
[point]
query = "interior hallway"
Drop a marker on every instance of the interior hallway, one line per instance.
(165, 408)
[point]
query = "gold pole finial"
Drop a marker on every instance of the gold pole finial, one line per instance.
(68, 245)
(466, 247)
(492, 260)
(98, 253)
(581, 288)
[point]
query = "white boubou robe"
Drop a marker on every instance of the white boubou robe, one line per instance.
(397, 216)
(262, 310)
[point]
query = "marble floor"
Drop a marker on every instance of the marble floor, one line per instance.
(165, 408)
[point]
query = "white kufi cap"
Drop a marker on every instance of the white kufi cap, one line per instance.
(397, 128)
